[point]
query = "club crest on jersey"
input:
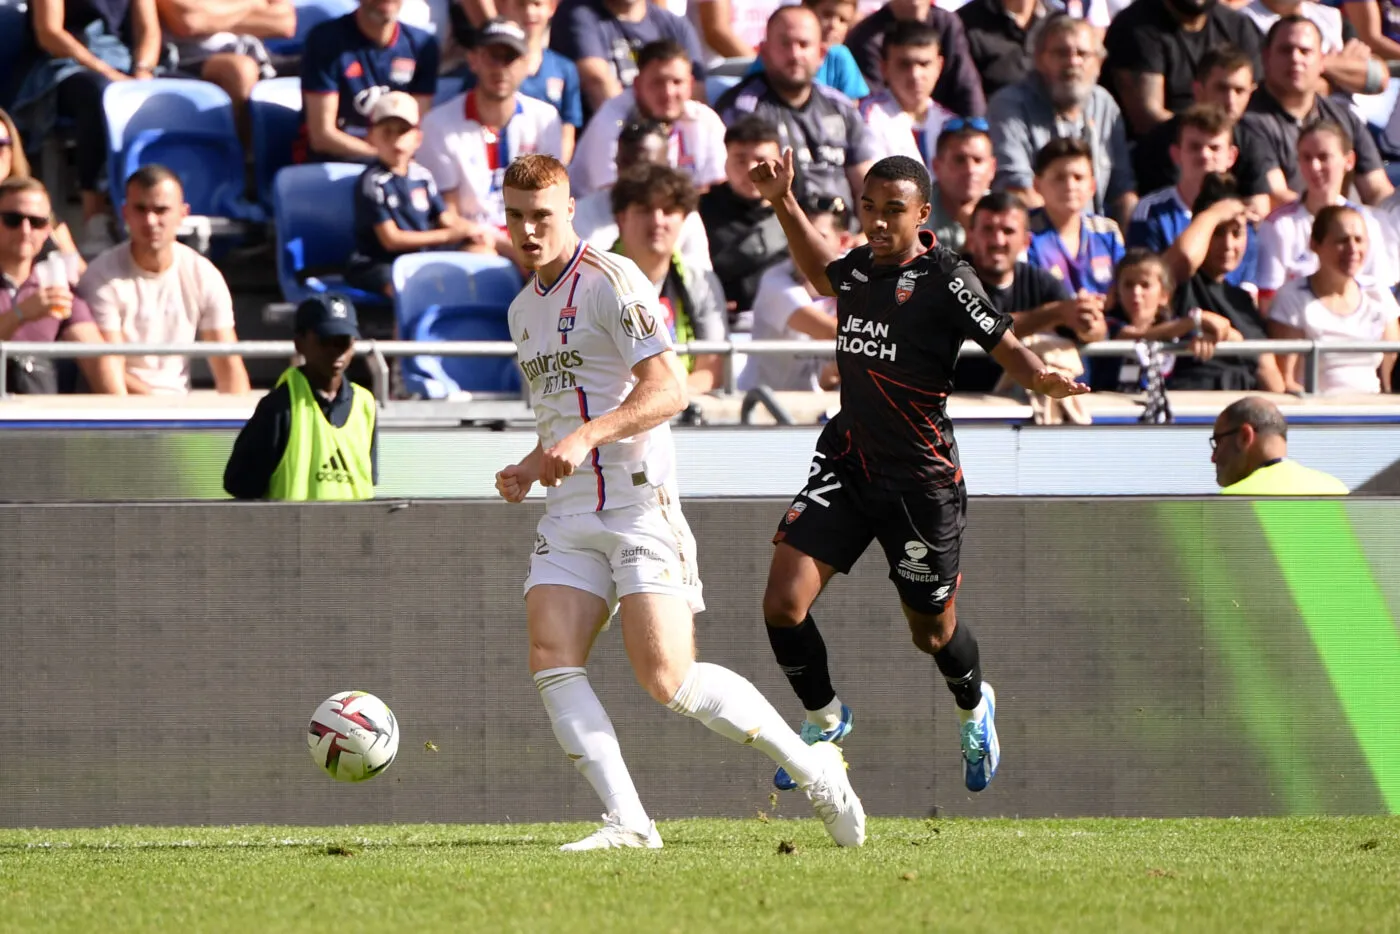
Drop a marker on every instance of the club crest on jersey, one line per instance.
(567, 317)
(794, 511)
(637, 322)
(904, 288)
(401, 70)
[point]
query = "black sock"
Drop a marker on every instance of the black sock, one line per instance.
(801, 654)
(958, 661)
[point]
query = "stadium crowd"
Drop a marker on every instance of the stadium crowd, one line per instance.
(1175, 170)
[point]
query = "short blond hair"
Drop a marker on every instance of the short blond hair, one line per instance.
(535, 172)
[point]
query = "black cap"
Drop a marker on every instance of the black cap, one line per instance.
(329, 315)
(501, 31)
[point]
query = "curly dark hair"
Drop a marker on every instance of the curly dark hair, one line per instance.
(649, 185)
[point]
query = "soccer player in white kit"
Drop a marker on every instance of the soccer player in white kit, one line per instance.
(604, 384)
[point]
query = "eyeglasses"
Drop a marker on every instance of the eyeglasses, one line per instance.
(966, 123)
(1216, 439)
(13, 220)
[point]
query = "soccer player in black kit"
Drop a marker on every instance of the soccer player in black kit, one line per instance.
(886, 466)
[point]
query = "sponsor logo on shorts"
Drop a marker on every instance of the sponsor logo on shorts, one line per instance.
(794, 511)
(912, 567)
(541, 545)
(631, 557)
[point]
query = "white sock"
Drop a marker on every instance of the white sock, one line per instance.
(827, 717)
(728, 704)
(582, 727)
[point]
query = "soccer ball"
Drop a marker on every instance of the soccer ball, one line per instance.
(353, 736)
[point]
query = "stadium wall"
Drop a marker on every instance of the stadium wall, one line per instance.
(1152, 658)
(86, 464)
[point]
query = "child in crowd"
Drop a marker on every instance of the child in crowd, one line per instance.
(398, 209)
(1077, 246)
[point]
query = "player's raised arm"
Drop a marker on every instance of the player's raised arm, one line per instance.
(809, 251)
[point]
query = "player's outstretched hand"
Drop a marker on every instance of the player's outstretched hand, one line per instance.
(1057, 385)
(774, 179)
(513, 483)
(560, 461)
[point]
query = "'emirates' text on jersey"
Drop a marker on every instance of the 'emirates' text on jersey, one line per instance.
(578, 340)
(898, 333)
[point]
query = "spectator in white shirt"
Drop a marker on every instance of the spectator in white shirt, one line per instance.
(1325, 158)
(469, 140)
(1331, 305)
(662, 92)
(903, 115)
(153, 290)
(639, 143)
(1347, 64)
(787, 307)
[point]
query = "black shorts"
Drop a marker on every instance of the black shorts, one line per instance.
(834, 520)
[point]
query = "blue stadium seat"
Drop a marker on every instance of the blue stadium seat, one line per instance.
(452, 297)
(314, 215)
(310, 13)
(274, 110)
(12, 30)
(186, 126)
(715, 85)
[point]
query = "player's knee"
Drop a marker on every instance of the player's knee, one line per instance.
(931, 631)
(783, 607)
(663, 681)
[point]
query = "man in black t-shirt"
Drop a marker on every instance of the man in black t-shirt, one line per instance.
(834, 146)
(1224, 78)
(1036, 301)
(886, 466)
(1154, 48)
(745, 237)
(1289, 100)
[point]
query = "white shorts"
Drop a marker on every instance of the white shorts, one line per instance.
(646, 548)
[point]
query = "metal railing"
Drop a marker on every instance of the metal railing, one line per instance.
(377, 353)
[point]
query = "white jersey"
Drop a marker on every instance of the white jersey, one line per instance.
(897, 132)
(1285, 248)
(696, 145)
(578, 340)
(1296, 306)
(470, 159)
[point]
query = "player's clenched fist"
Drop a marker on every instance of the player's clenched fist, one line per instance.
(774, 179)
(559, 462)
(513, 483)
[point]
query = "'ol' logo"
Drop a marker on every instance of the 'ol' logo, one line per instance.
(567, 317)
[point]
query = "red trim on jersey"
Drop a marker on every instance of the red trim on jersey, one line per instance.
(597, 467)
(877, 378)
(928, 240)
(573, 264)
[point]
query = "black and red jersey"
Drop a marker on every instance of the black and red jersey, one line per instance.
(898, 333)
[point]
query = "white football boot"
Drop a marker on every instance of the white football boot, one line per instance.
(834, 799)
(612, 835)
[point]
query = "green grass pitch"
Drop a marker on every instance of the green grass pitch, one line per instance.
(1303, 874)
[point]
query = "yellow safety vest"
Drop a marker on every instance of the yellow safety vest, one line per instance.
(1287, 478)
(323, 462)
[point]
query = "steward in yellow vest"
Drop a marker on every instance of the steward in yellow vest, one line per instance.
(1250, 449)
(315, 435)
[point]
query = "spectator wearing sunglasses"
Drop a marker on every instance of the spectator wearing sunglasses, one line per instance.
(41, 314)
(904, 116)
(14, 164)
(1062, 97)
